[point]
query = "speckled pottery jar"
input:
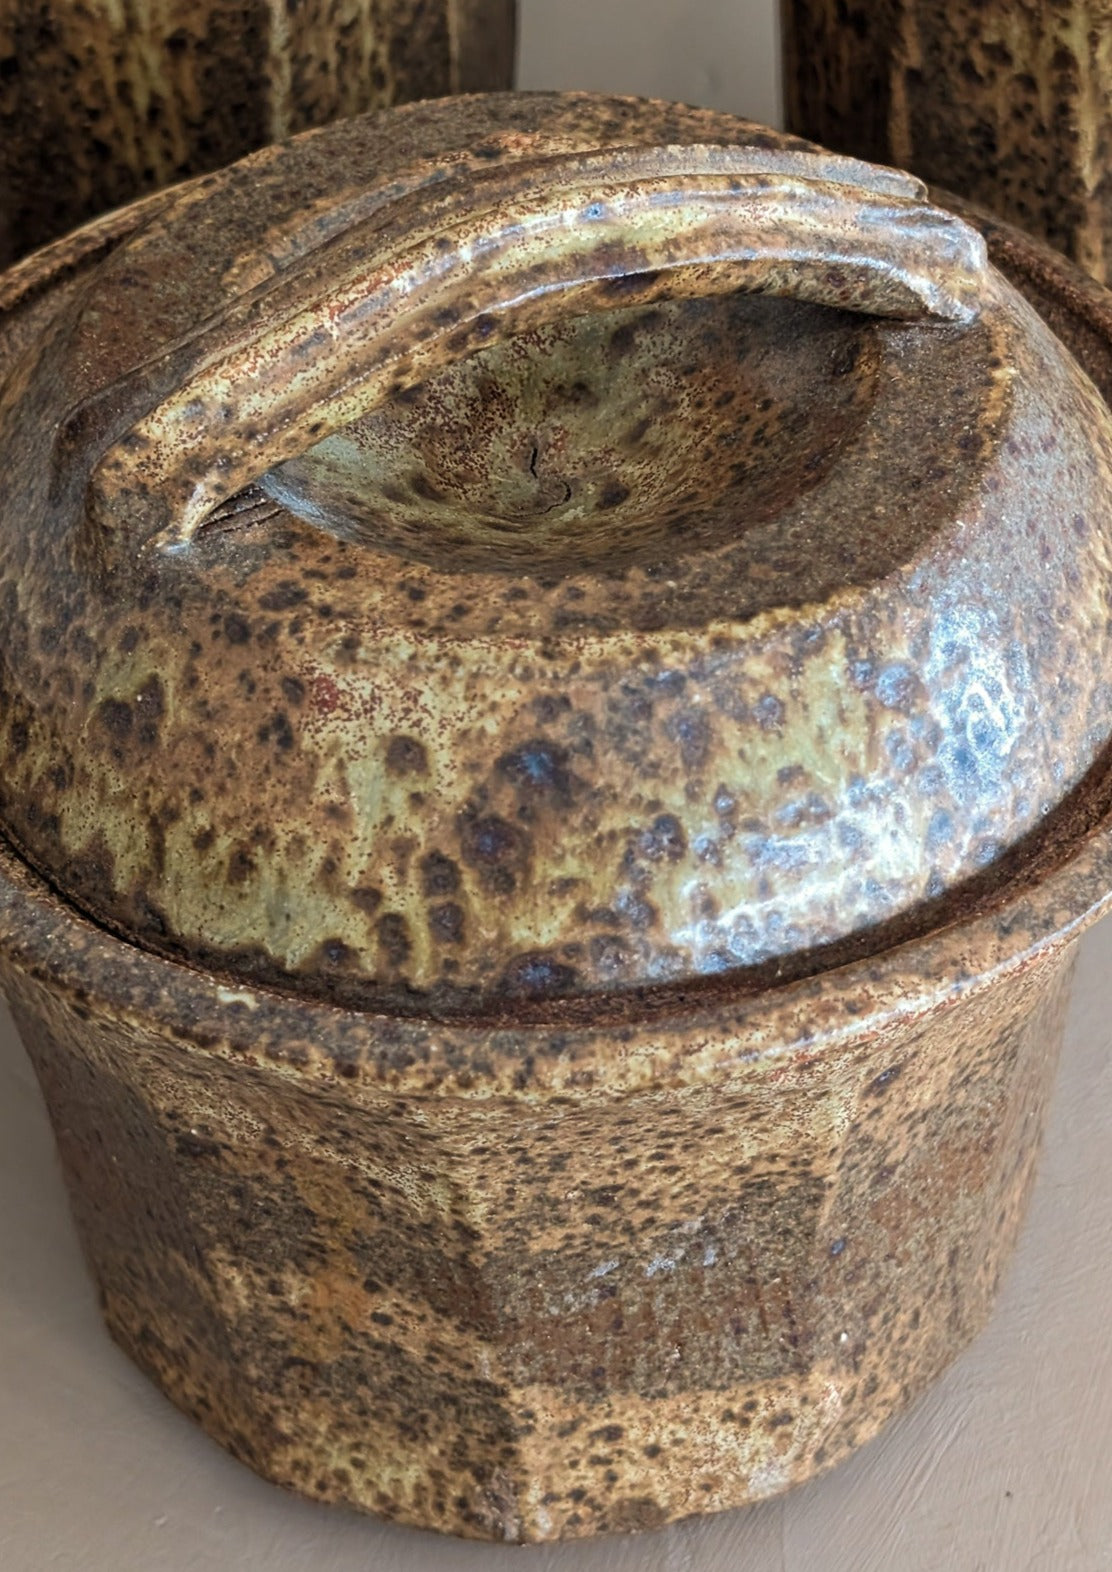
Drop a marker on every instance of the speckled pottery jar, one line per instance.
(554, 737)
(104, 100)
(1007, 101)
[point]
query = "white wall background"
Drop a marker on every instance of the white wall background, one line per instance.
(723, 53)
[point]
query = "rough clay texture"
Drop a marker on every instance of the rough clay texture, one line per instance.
(528, 1320)
(633, 639)
(1076, 308)
(101, 101)
(550, 1274)
(1007, 101)
(546, 1282)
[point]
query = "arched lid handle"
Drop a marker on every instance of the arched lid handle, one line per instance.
(440, 272)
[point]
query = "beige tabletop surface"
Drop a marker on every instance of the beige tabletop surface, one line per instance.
(1005, 1466)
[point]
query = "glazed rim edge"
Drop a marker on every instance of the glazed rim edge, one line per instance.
(712, 1032)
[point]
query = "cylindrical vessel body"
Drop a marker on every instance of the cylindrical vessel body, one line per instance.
(527, 1312)
(104, 101)
(1008, 102)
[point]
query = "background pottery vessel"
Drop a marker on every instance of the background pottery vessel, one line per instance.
(1008, 102)
(394, 593)
(101, 101)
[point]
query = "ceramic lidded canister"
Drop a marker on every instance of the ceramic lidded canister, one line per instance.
(553, 708)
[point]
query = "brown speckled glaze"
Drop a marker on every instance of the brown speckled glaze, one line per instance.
(412, 598)
(1007, 101)
(551, 1252)
(553, 1308)
(102, 100)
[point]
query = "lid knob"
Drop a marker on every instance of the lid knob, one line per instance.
(447, 270)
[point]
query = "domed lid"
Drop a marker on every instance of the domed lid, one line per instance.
(536, 545)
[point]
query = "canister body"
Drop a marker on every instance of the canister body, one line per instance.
(105, 100)
(530, 1317)
(1007, 102)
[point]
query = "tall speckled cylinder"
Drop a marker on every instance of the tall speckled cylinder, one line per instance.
(1008, 102)
(104, 100)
